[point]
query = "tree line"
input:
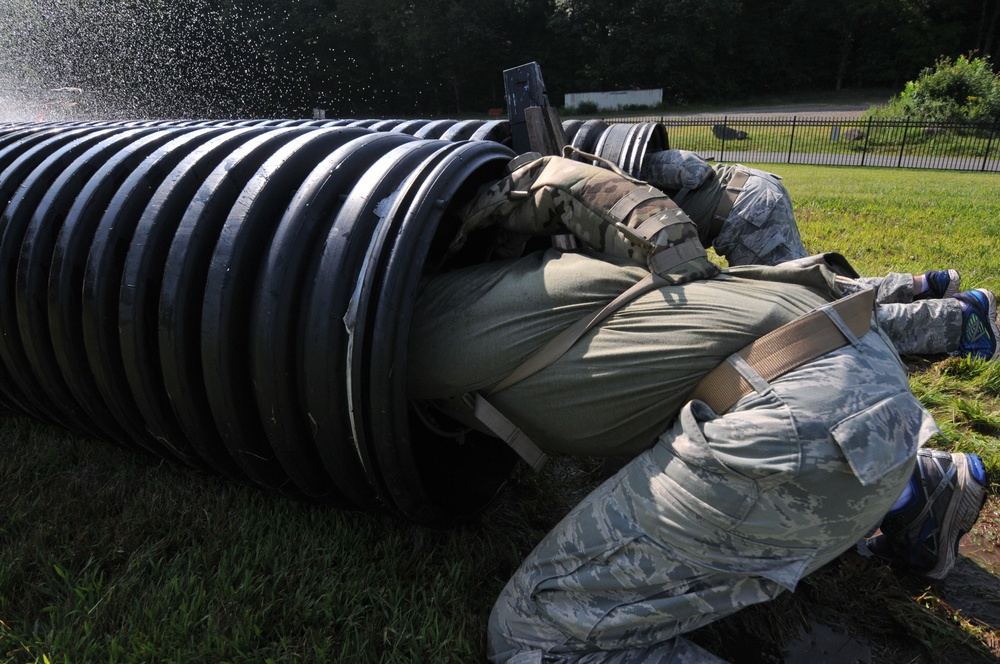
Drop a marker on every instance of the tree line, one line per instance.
(446, 56)
(369, 58)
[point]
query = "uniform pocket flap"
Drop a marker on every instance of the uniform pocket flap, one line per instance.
(881, 438)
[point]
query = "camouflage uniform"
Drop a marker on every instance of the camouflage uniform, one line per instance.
(608, 212)
(716, 511)
(723, 512)
(760, 229)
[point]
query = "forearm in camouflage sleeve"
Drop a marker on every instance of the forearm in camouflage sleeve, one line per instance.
(608, 212)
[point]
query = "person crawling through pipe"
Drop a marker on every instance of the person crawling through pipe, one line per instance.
(767, 418)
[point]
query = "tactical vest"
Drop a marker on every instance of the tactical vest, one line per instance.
(609, 212)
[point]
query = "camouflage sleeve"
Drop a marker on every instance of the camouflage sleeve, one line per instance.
(676, 169)
(608, 212)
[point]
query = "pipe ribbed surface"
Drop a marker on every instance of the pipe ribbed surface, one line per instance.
(236, 297)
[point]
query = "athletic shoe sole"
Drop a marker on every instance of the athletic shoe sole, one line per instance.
(962, 513)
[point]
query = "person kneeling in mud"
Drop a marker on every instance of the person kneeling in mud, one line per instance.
(768, 420)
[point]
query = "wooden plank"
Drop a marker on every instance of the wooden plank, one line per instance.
(541, 136)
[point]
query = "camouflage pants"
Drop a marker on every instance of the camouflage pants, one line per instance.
(723, 512)
(925, 327)
(761, 230)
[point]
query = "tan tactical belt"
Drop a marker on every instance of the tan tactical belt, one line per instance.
(792, 345)
(729, 195)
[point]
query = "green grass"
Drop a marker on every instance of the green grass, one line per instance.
(900, 220)
(109, 556)
(112, 557)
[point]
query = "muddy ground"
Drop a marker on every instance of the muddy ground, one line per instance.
(970, 594)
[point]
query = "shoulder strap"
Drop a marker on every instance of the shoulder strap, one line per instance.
(557, 346)
(498, 423)
(509, 433)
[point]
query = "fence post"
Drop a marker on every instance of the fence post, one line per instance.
(725, 123)
(791, 141)
(902, 146)
(868, 136)
(989, 144)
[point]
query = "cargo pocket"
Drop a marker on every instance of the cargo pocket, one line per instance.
(697, 477)
(885, 436)
(634, 591)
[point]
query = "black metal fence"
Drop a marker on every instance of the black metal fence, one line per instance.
(828, 141)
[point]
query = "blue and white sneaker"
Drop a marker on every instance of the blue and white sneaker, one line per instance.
(948, 492)
(940, 283)
(979, 324)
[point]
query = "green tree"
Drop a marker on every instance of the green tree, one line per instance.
(987, 25)
(631, 44)
(965, 89)
(384, 57)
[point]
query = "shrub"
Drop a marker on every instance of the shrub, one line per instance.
(963, 90)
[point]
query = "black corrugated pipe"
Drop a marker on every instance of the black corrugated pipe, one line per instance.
(623, 144)
(626, 145)
(585, 136)
(237, 297)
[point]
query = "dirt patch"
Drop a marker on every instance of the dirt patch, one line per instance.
(820, 644)
(858, 609)
(982, 544)
(973, 587)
